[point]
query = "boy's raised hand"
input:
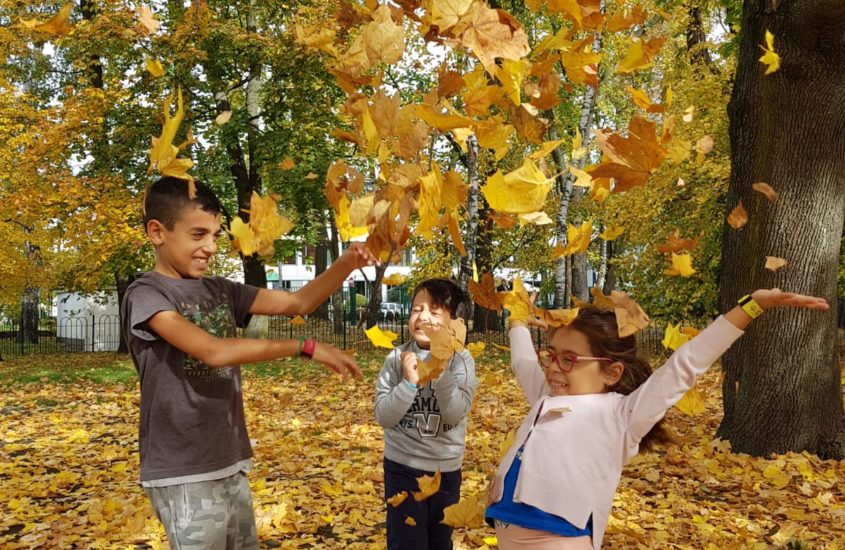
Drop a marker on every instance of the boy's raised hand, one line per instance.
(336, 360)
(358, 255)
(769, 298)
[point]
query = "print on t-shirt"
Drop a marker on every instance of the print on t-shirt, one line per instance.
(218, 321)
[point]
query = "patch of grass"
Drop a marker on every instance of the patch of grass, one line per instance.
(100, 368)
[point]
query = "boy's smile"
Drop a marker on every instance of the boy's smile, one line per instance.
(184, 251)
(424, 312)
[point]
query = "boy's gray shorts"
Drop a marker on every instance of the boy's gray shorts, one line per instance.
(208, 515)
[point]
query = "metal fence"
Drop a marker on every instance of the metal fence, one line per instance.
(345, 330)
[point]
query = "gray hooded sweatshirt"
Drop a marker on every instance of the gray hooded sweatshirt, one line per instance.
(425, 428)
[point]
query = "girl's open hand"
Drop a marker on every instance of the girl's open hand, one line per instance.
(336, 360)
(769, 298)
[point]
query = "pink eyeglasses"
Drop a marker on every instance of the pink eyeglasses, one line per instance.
(565, 360)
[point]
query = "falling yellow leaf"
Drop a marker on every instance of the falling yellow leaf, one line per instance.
(692, 403)
(681, 265)
(381, 338)
(428, 485)
(265, 226)
(311, 176)
(770, 59)
(518, 302)
(640, 54)
(154, 67)
(611, 233)
(163, 152)
(511, 73)
(445, 340)
(557, 317)
(298, 320)
(582, 178)
(673, 338)
(394, 279)
(397, 499)
(738, 217)
(476, 348)
(545, 149)
(577, 150)
(773, 263)
(146, 18)
(468, 512)
(58, 25)
(577, 239)
(766, 190)
(688, 113)
(519, 192)
(410, 521)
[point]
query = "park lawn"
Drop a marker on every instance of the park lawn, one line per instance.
(69, 465)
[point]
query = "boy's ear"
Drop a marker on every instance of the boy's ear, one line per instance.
(613, 373)
(155, 231)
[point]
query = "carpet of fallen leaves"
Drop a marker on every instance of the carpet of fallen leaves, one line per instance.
(69, 465)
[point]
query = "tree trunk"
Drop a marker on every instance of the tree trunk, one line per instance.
(472, 215)
(484, 319)
(578, 268)
(28, 331)
(782, 389)
(321, 263)
(371, 316)
(609, 282)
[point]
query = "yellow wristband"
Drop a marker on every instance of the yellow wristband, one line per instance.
(750, 307)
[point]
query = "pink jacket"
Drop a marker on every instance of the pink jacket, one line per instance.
(572, 463)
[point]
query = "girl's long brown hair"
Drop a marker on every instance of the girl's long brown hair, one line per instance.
(602, 332)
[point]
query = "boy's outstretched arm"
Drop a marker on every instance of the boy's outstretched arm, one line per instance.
(309, 297)
(222, 352)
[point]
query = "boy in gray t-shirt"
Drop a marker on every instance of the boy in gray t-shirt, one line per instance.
(181, 330)
(425, 426)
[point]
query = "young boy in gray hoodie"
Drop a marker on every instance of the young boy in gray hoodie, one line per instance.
(424, 425)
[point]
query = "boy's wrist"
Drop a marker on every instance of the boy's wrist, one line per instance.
(409, 384)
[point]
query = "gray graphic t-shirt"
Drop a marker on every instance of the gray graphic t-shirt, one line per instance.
(192, 415)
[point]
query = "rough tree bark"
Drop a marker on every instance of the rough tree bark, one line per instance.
(782, 389)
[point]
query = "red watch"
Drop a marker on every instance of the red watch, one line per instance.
(309, 345)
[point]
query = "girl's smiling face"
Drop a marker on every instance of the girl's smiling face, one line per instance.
(423, 312)
(585, 376)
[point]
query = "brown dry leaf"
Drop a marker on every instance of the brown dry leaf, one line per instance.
(298, 320)
(773, 263)
(410, 521)
(492, 33)
(630, 160)
(630, 317)
(702, 147)
(674, 243)
(531, 128)
(223, 118)
(428, 486)
(622, 19)
(766, 190)
(738, 217)
(384, 39)
(397, 499)
(484, 293)
(286, 164)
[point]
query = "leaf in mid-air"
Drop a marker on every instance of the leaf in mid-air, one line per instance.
(770, 58)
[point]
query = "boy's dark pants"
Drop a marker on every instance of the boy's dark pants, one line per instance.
(428, 533)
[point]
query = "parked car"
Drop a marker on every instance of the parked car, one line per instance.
(390, 311)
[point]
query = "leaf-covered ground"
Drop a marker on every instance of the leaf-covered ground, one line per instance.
(69, 466)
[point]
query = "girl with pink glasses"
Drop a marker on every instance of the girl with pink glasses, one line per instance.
(594, 403)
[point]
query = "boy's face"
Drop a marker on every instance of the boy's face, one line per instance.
(184, 251)
(423, 312)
